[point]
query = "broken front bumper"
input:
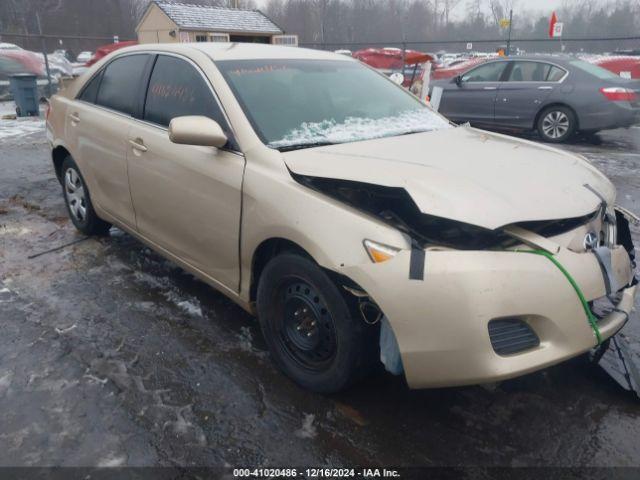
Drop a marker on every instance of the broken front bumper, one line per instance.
(441, 322)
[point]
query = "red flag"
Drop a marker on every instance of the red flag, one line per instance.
(552, 24)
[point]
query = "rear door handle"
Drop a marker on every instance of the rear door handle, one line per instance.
(75, 118)
(138, 145)
(490, 88)
(545, 88)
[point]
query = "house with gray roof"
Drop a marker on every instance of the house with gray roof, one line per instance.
(169, 22)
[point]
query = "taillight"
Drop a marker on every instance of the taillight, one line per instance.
(619, 94)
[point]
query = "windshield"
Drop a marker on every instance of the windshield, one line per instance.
(595, 70)
(302, 103)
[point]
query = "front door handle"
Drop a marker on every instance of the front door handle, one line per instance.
(138, 145)
(75, 118)
(489, 88)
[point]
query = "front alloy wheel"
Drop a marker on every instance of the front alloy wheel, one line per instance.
(556, 124)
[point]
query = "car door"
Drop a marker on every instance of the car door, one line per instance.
(96, 127)
(472, 99)
(187, 198)
(528, 84)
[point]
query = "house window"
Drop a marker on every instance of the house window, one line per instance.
(218, 37)
(202, 38)
(290, 40)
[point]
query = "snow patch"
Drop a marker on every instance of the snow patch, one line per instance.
(113, 460)
(356, 128)
(191, 308)
(308, 429)
(20, 127)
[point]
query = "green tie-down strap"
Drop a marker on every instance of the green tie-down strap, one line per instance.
(590, 317)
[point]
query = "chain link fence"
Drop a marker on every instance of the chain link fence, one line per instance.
(529, 45)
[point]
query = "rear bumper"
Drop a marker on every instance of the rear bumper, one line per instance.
(441, 323)
(610, 115)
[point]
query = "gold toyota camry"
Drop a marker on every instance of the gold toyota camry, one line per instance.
(360, 226)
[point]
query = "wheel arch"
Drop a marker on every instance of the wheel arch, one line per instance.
(267, 250)
(58, 154)
(274, 246)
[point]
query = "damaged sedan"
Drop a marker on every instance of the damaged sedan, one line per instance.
(359, 225)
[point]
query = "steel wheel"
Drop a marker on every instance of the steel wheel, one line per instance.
(307, 332)
(555, 124)
(308, 326)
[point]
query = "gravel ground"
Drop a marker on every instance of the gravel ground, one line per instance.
(111, 355)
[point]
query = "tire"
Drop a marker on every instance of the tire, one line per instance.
(78, 201)
(308, 326)
(556, 124)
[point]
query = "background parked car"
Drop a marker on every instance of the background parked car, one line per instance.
(59, 65)
(84, 57)
(556, 96)
(624, 66)
(456, 67)
(105, 50)
(9, 46)
(13, 61)
(394, 61)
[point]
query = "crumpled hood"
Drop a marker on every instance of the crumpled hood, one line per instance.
(468, 175)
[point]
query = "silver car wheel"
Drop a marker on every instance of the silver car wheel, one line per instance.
(555, 124)
(75, 195)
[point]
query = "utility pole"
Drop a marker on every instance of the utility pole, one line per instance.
(46, 58)
(508, 52)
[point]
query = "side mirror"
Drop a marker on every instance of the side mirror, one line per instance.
(458, 80)
(197, 130)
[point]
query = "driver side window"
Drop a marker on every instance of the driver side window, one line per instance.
(489, 72)
(177, 89)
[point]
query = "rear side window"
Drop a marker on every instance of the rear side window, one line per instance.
(91, 89)
(490, 72)
(176, 89)
(120, 83)
(535, 72)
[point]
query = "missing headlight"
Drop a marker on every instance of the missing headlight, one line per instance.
(396, 207)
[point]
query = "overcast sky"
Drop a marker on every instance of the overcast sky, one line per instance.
(541, 6)
(538, 6)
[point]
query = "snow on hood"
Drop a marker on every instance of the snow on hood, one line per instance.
(468, 175)
(356, 128)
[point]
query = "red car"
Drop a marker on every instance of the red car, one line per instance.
(390, 60)
(105, 50)
(457, 68)
(20, 61)
(620, 64)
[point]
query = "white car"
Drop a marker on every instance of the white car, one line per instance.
(84, 57)
(9, 46)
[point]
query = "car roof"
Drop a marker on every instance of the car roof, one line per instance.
(218, 51)
(559, 59)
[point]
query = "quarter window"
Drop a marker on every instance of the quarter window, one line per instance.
(91, 89)
(535, 72)
(176, 89)
(490, 72)
(555, 74)
(120, 84)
